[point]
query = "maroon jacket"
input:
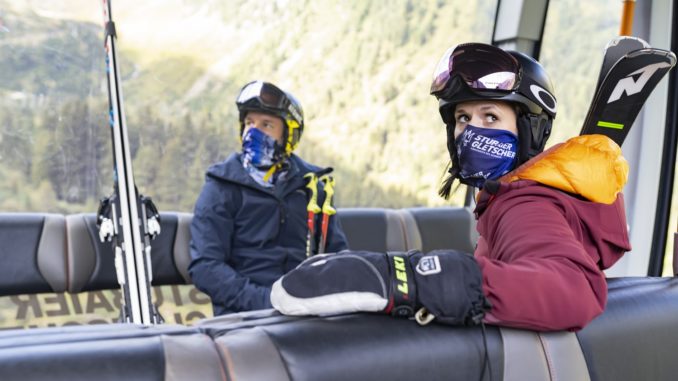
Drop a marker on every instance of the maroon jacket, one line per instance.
(542, 250)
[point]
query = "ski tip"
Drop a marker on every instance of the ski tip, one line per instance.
(670, 56)
(639, 42)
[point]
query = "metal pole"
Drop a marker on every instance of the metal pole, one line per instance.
(626, 27)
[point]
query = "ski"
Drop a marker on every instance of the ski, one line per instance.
(623, 90)
(616, 49)
(126, 219)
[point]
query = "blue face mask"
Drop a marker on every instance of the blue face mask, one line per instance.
(259, 149)
(485, 153)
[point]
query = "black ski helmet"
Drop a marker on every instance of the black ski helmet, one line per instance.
(268, 98)
(476, 71)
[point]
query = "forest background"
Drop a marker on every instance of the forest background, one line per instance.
(361, 69)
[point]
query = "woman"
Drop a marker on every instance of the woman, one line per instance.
(549, 222)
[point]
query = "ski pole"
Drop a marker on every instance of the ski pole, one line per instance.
(327, 210)
(312, 208)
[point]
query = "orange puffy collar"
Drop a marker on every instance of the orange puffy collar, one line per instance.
(591, 166)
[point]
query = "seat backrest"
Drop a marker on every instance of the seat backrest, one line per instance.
(443, 228)
(181, 252)
(110, 352)
(91, 262)
(288, 348)
(373, 229)
(635, 338)
(33, 253)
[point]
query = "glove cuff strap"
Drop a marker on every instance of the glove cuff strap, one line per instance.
(403, 301)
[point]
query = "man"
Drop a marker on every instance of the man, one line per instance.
(250, 220)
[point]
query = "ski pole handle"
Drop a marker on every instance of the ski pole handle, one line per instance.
(328, 182)
(312, 208)
(312, 186)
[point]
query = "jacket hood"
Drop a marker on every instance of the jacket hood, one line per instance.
(590, 166)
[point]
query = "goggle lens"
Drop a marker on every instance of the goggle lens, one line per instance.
(480, 66)
(268, 95)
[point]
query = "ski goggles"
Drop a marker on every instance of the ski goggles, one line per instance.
(482, 67)
(265, 94)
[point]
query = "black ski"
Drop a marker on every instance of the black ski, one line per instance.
(126, 219)
(623, 91)
(617, 48)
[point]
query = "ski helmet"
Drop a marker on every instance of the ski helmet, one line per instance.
(267, 98)
(475, 71)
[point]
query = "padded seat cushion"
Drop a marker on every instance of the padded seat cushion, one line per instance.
(33, 253)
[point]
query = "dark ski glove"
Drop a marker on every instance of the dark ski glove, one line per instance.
(443, 284)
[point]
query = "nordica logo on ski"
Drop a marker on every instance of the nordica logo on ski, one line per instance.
(631, 86)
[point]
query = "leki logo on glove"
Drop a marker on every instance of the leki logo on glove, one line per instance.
(429, 265)
(401, 275)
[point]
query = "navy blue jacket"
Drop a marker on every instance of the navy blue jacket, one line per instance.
(246, 236)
